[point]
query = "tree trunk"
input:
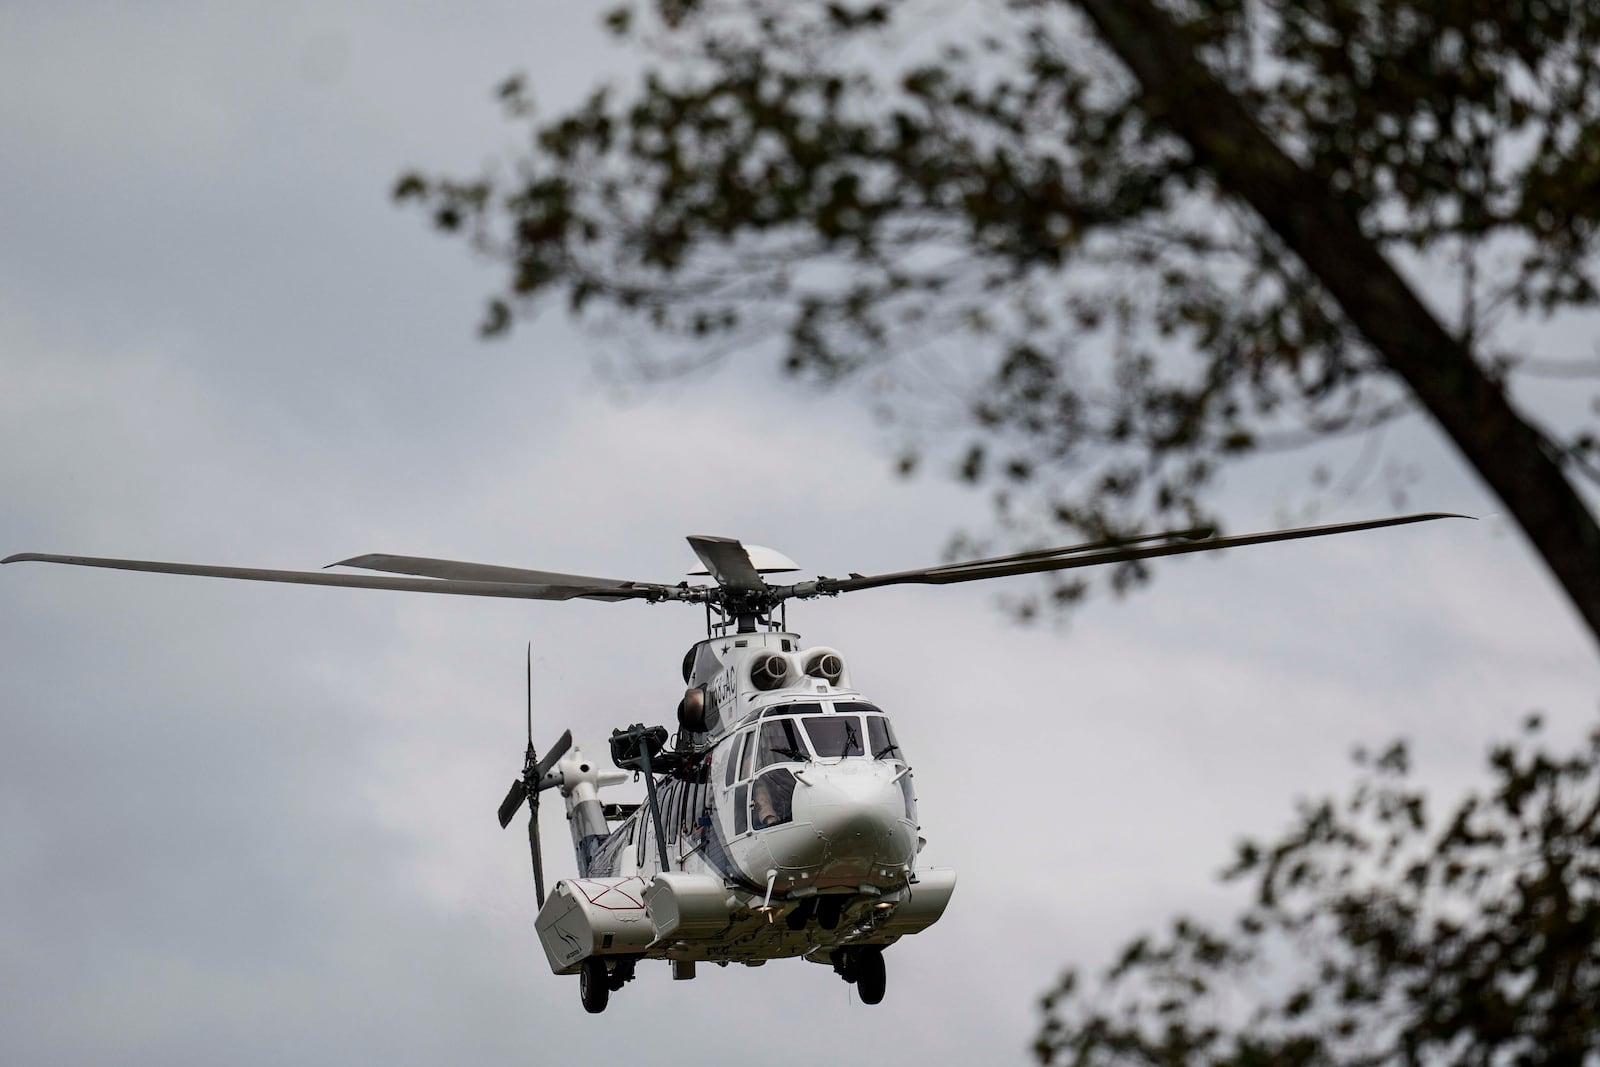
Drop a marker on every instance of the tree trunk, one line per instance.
(1508, 453)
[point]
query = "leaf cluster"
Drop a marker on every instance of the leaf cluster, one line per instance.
(1379, 936)
(1439, 121)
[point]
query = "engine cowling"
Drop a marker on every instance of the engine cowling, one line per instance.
(826, 664)
(771, 670)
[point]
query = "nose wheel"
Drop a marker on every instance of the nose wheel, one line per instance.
(863, 968)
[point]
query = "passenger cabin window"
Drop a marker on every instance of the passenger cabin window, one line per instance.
(693, 808)
(670, 802)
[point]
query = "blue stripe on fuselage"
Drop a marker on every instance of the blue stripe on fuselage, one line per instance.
(716, 848)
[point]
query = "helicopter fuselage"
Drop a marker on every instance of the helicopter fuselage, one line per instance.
(788, 821)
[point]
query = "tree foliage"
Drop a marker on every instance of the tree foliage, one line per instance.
(1044, 276)
(1094, 253)
(1379, 934)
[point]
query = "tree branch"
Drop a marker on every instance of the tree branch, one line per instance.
(1473, 410)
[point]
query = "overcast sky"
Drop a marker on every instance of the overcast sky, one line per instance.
(254, 823)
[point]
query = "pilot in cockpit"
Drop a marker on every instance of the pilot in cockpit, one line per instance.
(772, 794)
(772, 799)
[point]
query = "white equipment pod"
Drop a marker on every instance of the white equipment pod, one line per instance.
(686, 906)
(584, 917)
(926, 902)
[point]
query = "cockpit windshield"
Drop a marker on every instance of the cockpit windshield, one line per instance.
(834, 736)
(796, 733)
(780, 743)
(881, 743)
(880, 737)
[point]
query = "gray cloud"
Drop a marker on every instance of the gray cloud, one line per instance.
(254, 823)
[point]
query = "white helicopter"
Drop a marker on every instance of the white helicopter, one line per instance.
(780, 821)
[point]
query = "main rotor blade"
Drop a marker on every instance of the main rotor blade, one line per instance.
(1073, 557)
(1194, 533)
(475, 572)
(514, 798)
(728, 562)
(534, 591)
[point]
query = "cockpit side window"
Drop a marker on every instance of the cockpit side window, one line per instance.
(780, 743)
(771, 799)
(747, 745)
(880, 738)
(835, 736)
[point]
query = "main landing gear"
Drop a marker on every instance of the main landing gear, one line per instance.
(596, 983)
(863, 968)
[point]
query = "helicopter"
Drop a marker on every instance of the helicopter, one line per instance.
(780, 815)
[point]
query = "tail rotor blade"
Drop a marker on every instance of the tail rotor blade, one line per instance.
(533, 849)
(557, 750)
(527, 787)
(514, 798)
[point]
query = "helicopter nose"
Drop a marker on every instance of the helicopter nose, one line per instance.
(859, 812)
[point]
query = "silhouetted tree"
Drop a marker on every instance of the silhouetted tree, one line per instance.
(1126, 243)
(1379, 935)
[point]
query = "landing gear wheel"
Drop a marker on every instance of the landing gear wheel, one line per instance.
(594, 986)
(869, 974)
